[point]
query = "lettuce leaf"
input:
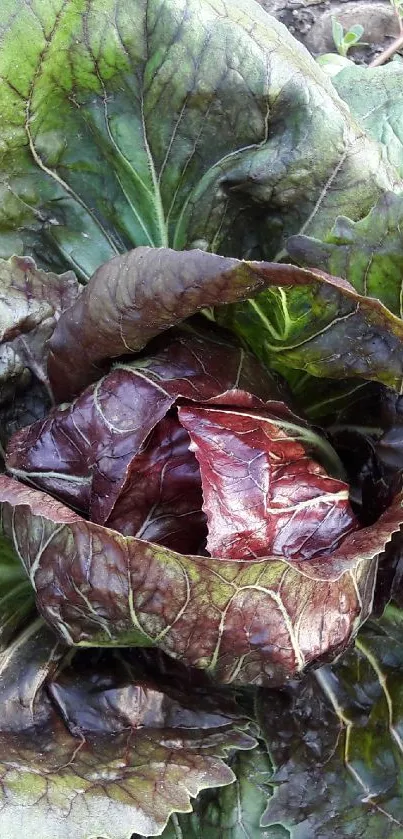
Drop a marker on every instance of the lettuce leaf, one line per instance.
(110, 755)
(306, 319)
(233, 812)
(90, 454)
(134, 298)
(17, 602)
(368, 253)
(245, 622)
(31, 302)
(262, 493)
(336, 742)
(180, 123)
(374, 96)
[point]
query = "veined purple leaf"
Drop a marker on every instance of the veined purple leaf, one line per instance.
(162, 498)
(107, 691)
(82, 453)
(262, 493)
(317, 323)
(259, 621)
(135, 297)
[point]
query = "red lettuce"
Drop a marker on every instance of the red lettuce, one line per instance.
(186, 506)
(262, 493)
(246, 560)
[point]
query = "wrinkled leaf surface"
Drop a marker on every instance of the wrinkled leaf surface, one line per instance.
(245, 622)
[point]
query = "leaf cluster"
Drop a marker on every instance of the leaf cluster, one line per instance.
(201, 378)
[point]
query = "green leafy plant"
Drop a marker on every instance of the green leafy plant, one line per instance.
(201, 368)
(343, 41)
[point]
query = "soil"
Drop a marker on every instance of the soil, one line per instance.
(310, 22)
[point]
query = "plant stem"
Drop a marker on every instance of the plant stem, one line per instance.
(390, 50)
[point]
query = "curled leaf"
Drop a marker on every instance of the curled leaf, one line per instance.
(135, 297)
(85, 453)
(306, 319)
(262, 493)
(162, 499)
(259, 621)
(311, 321)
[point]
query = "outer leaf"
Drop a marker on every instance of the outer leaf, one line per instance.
(133, 298)
(171, 130)
(57, 785)
(363, 421)
(322, 400)
(86, 453)
(102, 782)
(26, 663)
(30, 304)
(108, 691)
(367, 253)
(262, 493)
(364, 424)
(311, 321)
(256, 621)
(306, 319)
(375, 98)
(336, 741)
(234, 812)
(23, 409)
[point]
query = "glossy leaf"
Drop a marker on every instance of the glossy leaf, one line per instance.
(162, 499)
(108, 691)
(21, 410)
(365, 428)
(313, 322)
(28, 661)
(86, 453)
(336, 741)
(262, 494)
(57, 785)
(245, 622)
(367, 253)
(134, 298)
(191, 122)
